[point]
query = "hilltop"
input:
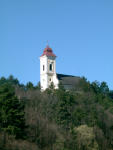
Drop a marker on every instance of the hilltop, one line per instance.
(56, 119)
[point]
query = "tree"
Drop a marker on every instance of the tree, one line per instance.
(104, 87)
(30, 86)
(110, 94)
(12, 80)
(86, 138)
(64, 106)
(50, 89)
(60, 91)
(52, 86)
(62, 113)
(11, 112)
(96, 86)
(38, 86)
(84, 84)
(78, 115)
(100, 88)
(2, 80)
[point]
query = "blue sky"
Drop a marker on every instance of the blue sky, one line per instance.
(80, 32)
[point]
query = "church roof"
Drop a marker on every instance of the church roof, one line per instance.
(48, 51)
(68, 79)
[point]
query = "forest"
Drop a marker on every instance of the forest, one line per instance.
(55, 119)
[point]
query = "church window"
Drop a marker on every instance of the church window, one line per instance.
(50, 79)
(50, 67)
(43, 67)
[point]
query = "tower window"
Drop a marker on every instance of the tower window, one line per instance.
(50, 79)
(43, 67)
(50, 67)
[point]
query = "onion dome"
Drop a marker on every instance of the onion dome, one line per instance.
(48, 51)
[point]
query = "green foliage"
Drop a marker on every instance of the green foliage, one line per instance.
(104, 88)
(111, 110)
(38, 86)
(52, 86)
(64, 106)
(59, 144)
(11, 115)
(2, 80)
(56, 119)
(96, 86)
(84, 84)
(61, 87)
(86, 138)
(62, 114)
(110, 94)
(100, 88)
(78, 115)
(51, 89)
(93, 117)
(30, 86)
(10, 80)
(105, 101)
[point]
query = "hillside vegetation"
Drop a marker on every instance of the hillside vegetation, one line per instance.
(55, 119)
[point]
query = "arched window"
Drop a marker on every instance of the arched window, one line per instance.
(43, 67)
(50, 67)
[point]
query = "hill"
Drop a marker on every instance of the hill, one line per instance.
(55, 119)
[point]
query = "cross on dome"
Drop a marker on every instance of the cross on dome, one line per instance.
(47, 43)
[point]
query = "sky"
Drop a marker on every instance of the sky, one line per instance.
(80, 33)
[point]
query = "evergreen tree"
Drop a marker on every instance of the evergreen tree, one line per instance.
(64, 106)
(38, 86)
(78, 115)
(30, 86)
(104, 88)
(12, 80)
(96, 86)
(3, 80)
(51, 89)
(11, 111)
(110, 94)
(84, 84)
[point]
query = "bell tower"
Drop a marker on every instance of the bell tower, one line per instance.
(47, 68)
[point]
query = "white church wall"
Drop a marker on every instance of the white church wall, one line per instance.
(43, 72)
(55, 81)
(44, 81)
(43, 61)
(50, 79)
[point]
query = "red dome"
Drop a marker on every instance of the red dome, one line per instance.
(48, 51)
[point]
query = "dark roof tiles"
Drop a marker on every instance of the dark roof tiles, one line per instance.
(68, 79)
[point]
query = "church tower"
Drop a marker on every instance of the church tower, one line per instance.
(47, 68)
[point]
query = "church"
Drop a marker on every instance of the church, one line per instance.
(48, 72)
